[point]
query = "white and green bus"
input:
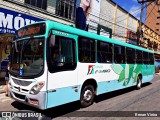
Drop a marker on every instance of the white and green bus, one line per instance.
(54, 64)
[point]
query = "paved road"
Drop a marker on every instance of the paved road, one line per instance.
(130, 99)
(4, 99)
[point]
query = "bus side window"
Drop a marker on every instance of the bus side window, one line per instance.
(139, 59)
(104, 52)
(86, 50)
(62, 55)
(151, 58)
(145, 58)
(130, 55)
(119, 54)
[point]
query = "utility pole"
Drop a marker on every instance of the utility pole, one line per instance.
(140, 25)
(139, 37)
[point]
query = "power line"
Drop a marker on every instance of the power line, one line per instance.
(136, 11)
(106, 21)
(142, 8)
(111, 23)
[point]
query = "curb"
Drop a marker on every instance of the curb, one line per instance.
(157, 73)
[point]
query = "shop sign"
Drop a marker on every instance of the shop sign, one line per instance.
(10, 21)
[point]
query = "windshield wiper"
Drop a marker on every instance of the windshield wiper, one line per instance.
(16, 45)
(24, 45)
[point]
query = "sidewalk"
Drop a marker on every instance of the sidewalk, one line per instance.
(157, 73)
(2, 85)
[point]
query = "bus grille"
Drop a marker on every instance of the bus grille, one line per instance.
(21, 82)
(22, 97)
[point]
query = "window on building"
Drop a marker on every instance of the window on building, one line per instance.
(38, 3)
(86, 50)
(119, 54)
(65, 8)
(158, 17)
(104, 52)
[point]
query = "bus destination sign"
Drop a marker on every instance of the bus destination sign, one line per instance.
(36, 29)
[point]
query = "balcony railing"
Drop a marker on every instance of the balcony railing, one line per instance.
(65, 9)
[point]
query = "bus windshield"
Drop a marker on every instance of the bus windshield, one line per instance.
(27, 57)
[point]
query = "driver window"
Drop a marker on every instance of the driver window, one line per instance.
(61, 54)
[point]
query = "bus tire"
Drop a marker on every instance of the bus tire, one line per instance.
(139, 82)
(87, 96)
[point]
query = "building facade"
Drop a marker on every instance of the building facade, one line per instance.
(153, 23)
(153, 16)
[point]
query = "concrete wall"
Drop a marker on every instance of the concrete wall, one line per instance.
(121, 25)
(132, 24)
(107, 11)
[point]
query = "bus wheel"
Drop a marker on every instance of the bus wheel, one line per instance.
(139, 82)
(87, 96)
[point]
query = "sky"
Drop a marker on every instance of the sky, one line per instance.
(132, 6)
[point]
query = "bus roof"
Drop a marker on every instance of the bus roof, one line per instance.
(75, 31)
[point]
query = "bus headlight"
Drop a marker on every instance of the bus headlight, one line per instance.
(36, 88)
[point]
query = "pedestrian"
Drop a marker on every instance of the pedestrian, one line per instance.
(7, 78)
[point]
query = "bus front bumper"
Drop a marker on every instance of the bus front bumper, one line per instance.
(37, 100)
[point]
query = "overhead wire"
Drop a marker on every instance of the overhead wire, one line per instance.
(142, 8)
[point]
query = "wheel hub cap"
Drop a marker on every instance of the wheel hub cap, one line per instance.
(87, 95)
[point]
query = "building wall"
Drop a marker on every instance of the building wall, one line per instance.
(107, 11)
(152, 13)
(153, 22)
(132, 24)
(121, 25)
